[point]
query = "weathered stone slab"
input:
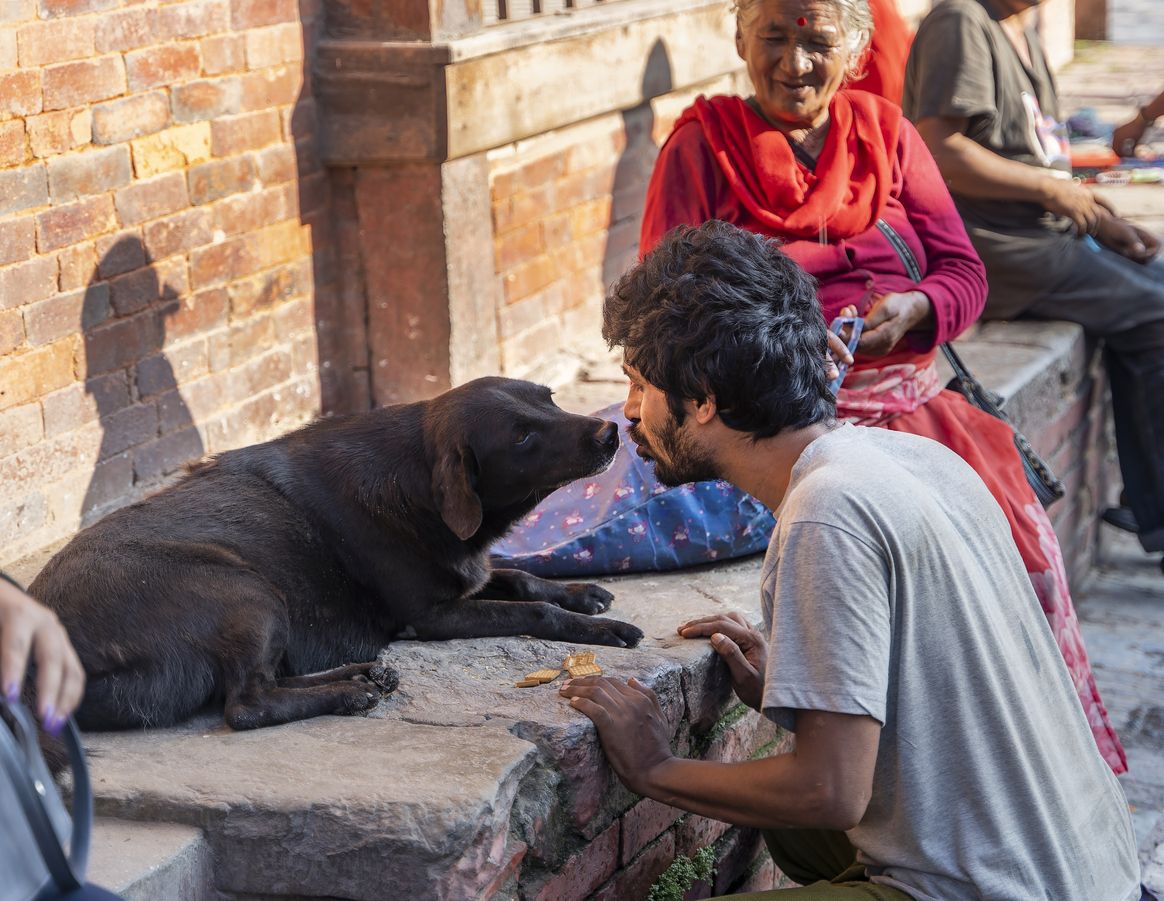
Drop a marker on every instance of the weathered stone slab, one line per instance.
(336, 806)
(147, 861)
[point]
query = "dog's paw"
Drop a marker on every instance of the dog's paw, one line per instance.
(583, 597)
(386, 678)
(616, 634)
(357, 696)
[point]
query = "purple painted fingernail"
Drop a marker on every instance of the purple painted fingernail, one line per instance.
(12, 692)
(54, 726)
(46, 715)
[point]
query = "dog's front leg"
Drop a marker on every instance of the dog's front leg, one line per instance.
(515, 585)
(477, 618)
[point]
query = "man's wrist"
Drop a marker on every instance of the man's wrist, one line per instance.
(657, 780)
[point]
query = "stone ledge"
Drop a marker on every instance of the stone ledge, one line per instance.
(148, 861)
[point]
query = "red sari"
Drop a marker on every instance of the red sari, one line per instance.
(723, 161)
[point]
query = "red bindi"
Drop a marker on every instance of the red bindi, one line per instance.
(802, 21)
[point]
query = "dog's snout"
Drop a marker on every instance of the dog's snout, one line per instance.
(608, 436)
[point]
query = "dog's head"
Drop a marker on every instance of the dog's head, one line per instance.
(498, 446)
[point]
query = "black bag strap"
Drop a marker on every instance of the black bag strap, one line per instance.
(912, 269)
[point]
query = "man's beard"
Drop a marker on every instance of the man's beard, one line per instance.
(684, 461)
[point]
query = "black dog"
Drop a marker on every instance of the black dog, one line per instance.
(303, 554)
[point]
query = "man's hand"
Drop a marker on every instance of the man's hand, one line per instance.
(1127, 239)
(631, 725)
(890, 317)
(1125, 138)
(1065, 197)
(27, 627)
(838, 353)
(742, 648)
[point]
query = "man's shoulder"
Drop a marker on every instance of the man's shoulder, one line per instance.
(954, 14)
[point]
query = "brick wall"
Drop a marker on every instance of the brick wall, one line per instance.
(159, 207)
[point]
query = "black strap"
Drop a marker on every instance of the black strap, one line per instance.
(912, 269)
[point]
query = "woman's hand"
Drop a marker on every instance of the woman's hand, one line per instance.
(742, 648)
(26, 626)
(890, 317)
(1125, 138)
(1127, 239)
(1065, 197)
(838, 353)
(631, 725)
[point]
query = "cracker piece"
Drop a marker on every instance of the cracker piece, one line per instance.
(584, 669)
(587, 657)
(544, 675)
(526, 683)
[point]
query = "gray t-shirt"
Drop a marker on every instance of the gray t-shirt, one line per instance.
(963, 66)
(893, 589)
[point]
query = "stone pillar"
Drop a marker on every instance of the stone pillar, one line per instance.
(1091, 20)
(416, 313)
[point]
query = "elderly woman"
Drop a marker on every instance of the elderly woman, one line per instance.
(849, 186)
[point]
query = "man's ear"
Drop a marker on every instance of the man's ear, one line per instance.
(452, 489)
(704, 410)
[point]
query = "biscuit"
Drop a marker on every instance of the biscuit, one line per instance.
(584, 669)
(526, 683)
(544, 675)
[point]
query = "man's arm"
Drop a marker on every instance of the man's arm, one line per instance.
(825, 783)
(973, 171)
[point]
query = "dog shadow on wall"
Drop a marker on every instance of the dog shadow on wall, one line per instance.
(633, 170)
(147, 432)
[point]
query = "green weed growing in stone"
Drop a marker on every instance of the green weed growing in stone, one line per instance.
(683, 873)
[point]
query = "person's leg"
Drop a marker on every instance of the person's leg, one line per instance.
(1045, 275)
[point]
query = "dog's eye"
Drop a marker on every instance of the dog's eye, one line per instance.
(522, 438)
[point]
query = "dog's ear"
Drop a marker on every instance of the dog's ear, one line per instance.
(452, 488)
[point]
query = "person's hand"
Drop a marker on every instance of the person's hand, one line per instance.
(890, 317)
(26, 626)
(743, 649)
(1125, 138)
(1127, 239)
(631, 725)
(838, 353)
(1065, 197)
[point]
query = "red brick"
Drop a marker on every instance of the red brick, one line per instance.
(74, 222)
(274, 46)
(130, 117)
(517, 246)
(696, 832)
(80, 83)
(266, 290)
(223, 53)
(51, 9)
(11, 332)
(277, 164)
(199, 313)
(161, 66)
(8, 54)
(125, 30)
(529, 278)
(17, 240)
(246, 14)
(78, 404)
(251, 131)
(296, 317)
(44, 43)
(221, 178)
(179, 233)
(20, 428)
(54, 133)
(271, 87)
(191, 20)
(111, 482)
(89, 172)
(152, 199)
(63, 315)
(119, 253)
(121, 342)
(25, 377)
(21, 92)
(642, 824)
(23, 189)
(207, 99)
(13, 143)
(250, 337)
(585, 871)
(197, 400)
(282, 242)
(27, 282)
(635, 881)
(545, 170)
(78, 266)
(166, 455)
(250, 211)
(128, 428)
(134, 292)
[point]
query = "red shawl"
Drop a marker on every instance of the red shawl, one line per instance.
(845, 196)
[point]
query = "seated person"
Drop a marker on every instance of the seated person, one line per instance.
(981, 94)
(940, 748)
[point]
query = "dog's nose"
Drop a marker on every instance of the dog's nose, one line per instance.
(608, 436)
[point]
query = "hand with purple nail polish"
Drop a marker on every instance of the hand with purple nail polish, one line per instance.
(29, 630)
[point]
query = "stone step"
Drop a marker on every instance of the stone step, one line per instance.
(150, 861)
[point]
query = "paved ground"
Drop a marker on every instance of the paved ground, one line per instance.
(1122, 607)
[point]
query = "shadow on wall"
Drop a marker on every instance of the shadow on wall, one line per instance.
(147, 432)
(633, 170)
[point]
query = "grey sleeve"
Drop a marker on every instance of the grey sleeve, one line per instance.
(829, 635)
(950, 72)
